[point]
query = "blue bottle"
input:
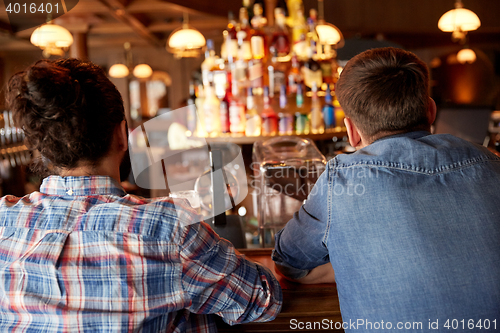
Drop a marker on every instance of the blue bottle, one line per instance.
(328, 111)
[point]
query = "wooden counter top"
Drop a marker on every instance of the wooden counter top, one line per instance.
(301, 304)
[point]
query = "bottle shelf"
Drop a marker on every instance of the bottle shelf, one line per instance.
(338, 132)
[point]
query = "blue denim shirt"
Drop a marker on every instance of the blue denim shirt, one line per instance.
(411, 226)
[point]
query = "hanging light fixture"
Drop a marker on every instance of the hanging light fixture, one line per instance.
(466, 55)
(328, 34)
(459, 21)
(185, 41)
(141, 71)
(52, 39)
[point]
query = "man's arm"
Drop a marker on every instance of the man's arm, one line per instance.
(300, 252)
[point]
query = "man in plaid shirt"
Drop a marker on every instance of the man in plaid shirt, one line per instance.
(82, 255)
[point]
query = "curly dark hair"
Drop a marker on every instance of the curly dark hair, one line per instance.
(68, 110)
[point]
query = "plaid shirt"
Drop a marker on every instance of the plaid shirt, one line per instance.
(81, 255)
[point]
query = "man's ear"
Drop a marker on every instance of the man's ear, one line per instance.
(431, 111)
(352, 133)
(121, 136)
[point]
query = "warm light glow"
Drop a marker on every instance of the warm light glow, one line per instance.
(328, 34)
(51, 36)
(118, 71)
(142, 71)
(459, 19)
(185, 42)
(466, 56)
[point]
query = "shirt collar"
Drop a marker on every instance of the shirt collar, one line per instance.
(85, 185)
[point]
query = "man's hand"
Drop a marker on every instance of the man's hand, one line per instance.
(320, 274)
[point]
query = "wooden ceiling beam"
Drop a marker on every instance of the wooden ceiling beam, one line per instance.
(119, 12)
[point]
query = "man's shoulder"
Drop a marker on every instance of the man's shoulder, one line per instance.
(431, 153)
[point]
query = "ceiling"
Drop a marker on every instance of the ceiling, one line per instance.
(410, 23)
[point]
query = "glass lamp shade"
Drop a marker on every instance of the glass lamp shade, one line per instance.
(329, 34)
(466, 56)
(118, 71)
(142, 71)
(459, 19)
(51, 36)
(185, 42)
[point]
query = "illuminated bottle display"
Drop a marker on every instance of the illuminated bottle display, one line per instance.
(317, 125)
(329, 111)
(269, 116)
(269, 79)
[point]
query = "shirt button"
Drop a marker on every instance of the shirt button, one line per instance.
(70, 192)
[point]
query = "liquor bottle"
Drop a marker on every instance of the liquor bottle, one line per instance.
(311, 71)
(253, 120)
(280, 40)
(236, 111)
(230, 45)
(224, 109)
(191, 117)
(302, 125)
(317, 125)
(244, 26)
(269, 117)
(258, 39)
(339, 112)
(294, 75)
(211, 112)
(328, 110)
(285, 122)
(240, 73)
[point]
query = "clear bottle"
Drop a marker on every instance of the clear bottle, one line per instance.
(316, 116)
(329, 111)
(269, 116)
(211, 111)
(253, 120)
(208, 65)
(237, 115)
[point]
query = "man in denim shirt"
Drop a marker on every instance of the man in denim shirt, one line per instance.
(410, 223)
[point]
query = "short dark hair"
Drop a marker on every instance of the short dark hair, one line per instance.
(385, 90)
(68, 110)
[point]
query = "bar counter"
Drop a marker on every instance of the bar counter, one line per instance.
(303, 305)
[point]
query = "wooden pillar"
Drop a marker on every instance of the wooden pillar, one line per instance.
(79, 48)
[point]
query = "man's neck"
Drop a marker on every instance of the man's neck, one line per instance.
(105, 167)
